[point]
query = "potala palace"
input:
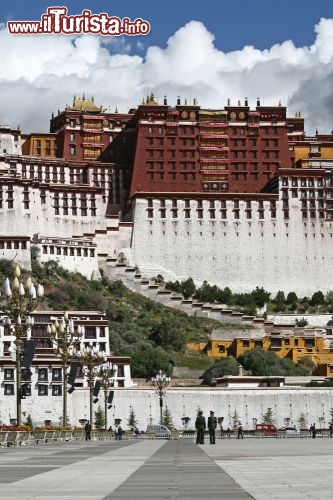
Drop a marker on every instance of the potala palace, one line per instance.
(239, 196)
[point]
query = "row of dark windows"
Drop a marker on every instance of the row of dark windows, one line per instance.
(172, 176)
(212, 204)
(312, 214)
(74, 211)
(191, 129)
(43, 390)
(213, 213)
(42, 374)
(13, 244)
(302, 182)
(72, 251)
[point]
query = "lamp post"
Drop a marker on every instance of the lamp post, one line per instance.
(106, 375)
(17, 301)
(161, 382)
(65, 340)
(89, 357)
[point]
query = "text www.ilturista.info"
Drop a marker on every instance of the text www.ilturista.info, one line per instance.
(57, 22)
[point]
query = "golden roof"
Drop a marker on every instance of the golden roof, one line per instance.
(150, 100)
(84, 104)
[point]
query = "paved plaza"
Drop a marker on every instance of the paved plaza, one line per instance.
(263, 469)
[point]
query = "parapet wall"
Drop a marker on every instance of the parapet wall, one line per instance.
(277, 253)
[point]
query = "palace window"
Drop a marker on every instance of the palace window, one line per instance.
(42, 374)
(9, 373)
(56, 390)
(42, 390)
(56, 374)
(9, 389)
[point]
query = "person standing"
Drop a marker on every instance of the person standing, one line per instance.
(212, 424)
(313, 430)
(87, 429)
(240, 431)
(200, 425)
(120, 432)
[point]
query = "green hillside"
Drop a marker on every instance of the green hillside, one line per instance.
(152, 334)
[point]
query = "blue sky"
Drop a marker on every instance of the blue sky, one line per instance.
(234, 23)
(211, 50)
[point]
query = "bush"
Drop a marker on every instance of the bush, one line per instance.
(226, 366)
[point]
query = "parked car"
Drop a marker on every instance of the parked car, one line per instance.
(267, 429)
(159, 431)
(291, 431)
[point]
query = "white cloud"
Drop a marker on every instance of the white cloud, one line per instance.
(41, 74)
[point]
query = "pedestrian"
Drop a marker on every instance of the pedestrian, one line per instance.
(200, 425)
(120, 432)
(87, 429)
(116, 432)
(212, 424)
(331, 429)
(313, 431)
(229, 433)
(240, 431)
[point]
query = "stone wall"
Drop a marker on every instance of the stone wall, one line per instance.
(276, 253)
(285, 402)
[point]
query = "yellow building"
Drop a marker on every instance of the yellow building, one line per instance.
(308, 151)
(294, 343)
(43, 145)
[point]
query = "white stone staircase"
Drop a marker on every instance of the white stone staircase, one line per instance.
(117, 269)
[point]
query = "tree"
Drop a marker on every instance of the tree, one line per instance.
(268, 416)
(317, 299)
(260, 362)
(280, 297)
(132, 421)
(235, 419)
(167, 418)
(305, 366)
(280, 301)
(260, 296)
(99, 418)
(301, 322)
(165, 335)
(226, 366)
(188, 288)
(28, 422)
(292, 298)
(302, 421)
(146, 360)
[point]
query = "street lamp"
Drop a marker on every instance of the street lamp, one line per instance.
(106, 375)
(65, 340)
(17, 301)
(90, 357)
(161, 382)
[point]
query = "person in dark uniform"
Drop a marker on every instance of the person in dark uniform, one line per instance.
(212, 424)
(240, 431)
(87, 429)
(200, 425)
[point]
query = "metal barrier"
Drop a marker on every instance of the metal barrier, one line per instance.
(22, 438)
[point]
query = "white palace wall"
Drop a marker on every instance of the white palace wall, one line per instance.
(285, 402)
(276, 253)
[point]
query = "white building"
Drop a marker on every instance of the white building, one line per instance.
(45, 382)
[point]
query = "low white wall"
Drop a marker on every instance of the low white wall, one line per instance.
(315, 403)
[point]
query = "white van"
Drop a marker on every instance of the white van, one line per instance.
(159, 431)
